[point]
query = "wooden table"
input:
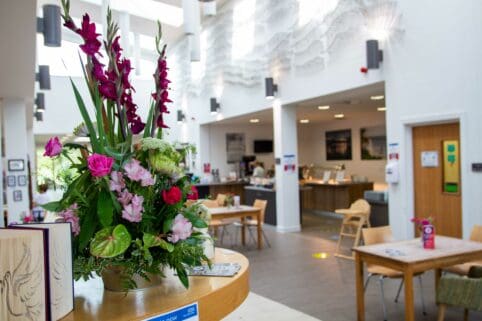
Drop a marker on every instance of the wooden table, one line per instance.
(242, 212)
(216, 296)
(410, 257)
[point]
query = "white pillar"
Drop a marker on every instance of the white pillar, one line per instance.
(15, 129)
(2, 219)
(137, 53)
(286, 158)
(125, 27)
(32, 157)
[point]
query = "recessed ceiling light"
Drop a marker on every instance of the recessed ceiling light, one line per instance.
(378, 97)
(381, 108)
(254, 120)
(304, 121)
(339, 116)
(324, 107)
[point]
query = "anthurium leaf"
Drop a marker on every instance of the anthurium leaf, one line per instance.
(110, 242)
(105, 208)
(52, 206)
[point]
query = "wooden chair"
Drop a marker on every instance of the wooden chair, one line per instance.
(216, 224)
(460, 291)
(220, 199)
(463, 269)
(377, 235)
(355, 218)
(252, 223)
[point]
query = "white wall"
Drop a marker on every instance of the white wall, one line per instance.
(433, 73)
(252, 132)
(312, 147)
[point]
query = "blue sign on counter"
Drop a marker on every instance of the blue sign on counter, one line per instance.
(186, 313)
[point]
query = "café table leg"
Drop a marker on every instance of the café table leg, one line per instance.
(408, 282)
(438, 275)
(360, 293)
(243, 231)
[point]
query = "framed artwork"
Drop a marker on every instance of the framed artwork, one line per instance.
(16, 165)
(17, 196)
(338, 145)
(22, 180)
(235, 147)
(11, 181)
(373, 142)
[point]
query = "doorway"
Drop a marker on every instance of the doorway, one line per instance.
(437, 185)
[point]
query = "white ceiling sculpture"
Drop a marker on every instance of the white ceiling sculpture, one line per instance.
(281, 42)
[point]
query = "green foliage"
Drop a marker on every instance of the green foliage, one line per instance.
(110, 242)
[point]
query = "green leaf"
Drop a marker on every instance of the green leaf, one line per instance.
(87, 229)
(167, 246)
(74, 145)
(110, 242)
(147, 129)
(112, 153)
(195, 220)
(182, 275)
(85, 116)
(105, 208)
(52, 206)
(167, 225)
(152, 240)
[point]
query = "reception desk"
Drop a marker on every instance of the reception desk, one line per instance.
(331, 196)
(216, 296)
(213, 189)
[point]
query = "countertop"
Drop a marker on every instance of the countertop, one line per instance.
(259, 188)
(330, 183)
(223, 183)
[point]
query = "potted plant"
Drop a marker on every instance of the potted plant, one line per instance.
(126, 203)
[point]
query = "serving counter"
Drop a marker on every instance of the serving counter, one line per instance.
(330, 196)
(216, 296)
(213, 189)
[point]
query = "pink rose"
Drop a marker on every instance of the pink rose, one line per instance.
(181, 229)
(53, 147)
(172, 196)
(99, 165)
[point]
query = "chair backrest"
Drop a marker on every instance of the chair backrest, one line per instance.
(476, 234)
(210, 203)
(220, 199)
(262, 205)
(361, 205)
(375, 235)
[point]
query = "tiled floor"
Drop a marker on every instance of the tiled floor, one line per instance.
(324, 288)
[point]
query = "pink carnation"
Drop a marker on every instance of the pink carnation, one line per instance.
(53, 147)
(181, 229)
(137, 173)
(99, 165)
(125, 197)
(69, 215)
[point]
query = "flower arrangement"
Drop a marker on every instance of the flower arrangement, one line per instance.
(421, 222)
(127, 202)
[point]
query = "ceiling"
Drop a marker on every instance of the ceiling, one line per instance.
(138, 24)
(354, 103)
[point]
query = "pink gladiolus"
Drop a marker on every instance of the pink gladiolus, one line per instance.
(99, 165)
(53, 147)
(116, 182)
(181, 229)
(133, 212)
(125, 197)
(69, 215)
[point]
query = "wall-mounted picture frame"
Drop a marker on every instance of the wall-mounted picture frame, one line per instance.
(338, 145)
(235, 147)
(373, 143)
(22, 180)
(16, 165)
(11, 181)
(17, 196)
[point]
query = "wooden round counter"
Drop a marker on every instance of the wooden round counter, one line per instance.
(216, 296)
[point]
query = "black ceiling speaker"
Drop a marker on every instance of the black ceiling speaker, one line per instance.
(43, 77)
(271, 88)
(40, 102)
(50, 25)
(374, 55)
(215, 106)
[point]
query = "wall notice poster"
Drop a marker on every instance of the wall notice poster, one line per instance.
(289, 164)
(451, 178)
(235, 147)
(373, 142)
(338, 145)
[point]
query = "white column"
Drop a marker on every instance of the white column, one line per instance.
(125, 27)
(32, 157)
(16, 150)
(137, 53)
(286, 155)
(2, 219)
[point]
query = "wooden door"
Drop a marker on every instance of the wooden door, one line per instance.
(430, 196)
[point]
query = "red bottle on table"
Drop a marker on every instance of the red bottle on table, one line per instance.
(428, 236)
